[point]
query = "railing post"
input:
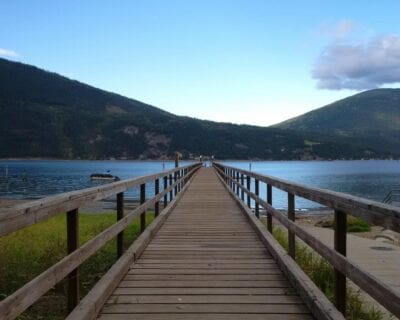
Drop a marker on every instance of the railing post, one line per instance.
(291, 235)
(232, 184)
(242, 183)
(237, 185)
(180, 180)
(176, 185)
(176, 159)
(257, 192)
(143, 214)
(120, 215)
(72, 245)
(156, 191)
(340, 225)
(269, 201)
(170, 184)
(248, 189)
(165, 187)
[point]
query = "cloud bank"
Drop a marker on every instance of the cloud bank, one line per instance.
(8, 53)
(359, 66)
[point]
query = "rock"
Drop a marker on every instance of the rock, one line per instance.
(324, 223)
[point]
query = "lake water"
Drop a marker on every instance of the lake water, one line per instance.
(371, 179)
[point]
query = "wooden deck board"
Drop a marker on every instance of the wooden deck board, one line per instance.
(205, 263)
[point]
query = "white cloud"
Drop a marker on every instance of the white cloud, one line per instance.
(8, 53)
(339, 30)
(359, 66)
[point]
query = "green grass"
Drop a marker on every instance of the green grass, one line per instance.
(357, 225)
(321, 272)
(28, 252)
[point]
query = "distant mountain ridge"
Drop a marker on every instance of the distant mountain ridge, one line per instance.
(43, 114)
(371, 118)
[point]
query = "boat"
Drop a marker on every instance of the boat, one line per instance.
(104, 176)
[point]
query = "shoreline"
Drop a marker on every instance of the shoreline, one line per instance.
(316, 217)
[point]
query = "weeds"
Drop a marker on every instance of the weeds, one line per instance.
(28, 252)
(321, 273)
(357, 225)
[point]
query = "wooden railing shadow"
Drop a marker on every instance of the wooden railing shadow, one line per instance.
(239, 182)
(21, 216)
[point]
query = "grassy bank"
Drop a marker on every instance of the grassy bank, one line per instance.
(321, 272)
(28, 252)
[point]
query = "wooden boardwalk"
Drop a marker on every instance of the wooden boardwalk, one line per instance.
(206, 262)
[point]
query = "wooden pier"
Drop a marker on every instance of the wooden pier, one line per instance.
(205, 262)
(206, 255)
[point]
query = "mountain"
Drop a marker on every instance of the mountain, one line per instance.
(43, 114)
(371, 118)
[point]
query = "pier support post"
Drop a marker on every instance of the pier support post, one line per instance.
(72, 245)
(143, 214)
(165, 187)
(237, 184)
(242, 184)
(257, 192)
(171, 191)
(156, 191)
(291, 235)
(120, 215)
(248, 189)
(269, 201)
(340, 225)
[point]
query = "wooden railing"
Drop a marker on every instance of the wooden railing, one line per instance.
(343, 204)
(30, 213)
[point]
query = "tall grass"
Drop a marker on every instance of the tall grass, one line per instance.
(321, 273)
(28, 252)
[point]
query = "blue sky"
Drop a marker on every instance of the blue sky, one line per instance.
(254, 62)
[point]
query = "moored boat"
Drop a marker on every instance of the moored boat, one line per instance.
(103, 176)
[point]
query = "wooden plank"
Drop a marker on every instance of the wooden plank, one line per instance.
(206, 277)
(203, 260)
(212, 316)
(205, 308)
(204, 284)
(206, 265)
(212, 299)
(206, 291)
(205, 271)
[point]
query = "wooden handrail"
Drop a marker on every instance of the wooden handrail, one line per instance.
(376, 213)
(384, 294)
(26, 214)
(20, 300)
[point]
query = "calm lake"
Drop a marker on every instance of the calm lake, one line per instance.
(32, 179)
